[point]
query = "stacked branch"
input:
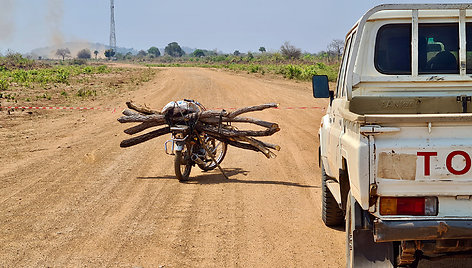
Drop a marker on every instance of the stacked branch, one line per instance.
(216, 124)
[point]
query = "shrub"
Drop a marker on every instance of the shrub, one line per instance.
(4, 84)
(78, 62)
(84, 54)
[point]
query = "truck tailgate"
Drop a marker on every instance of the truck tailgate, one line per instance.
(424, 161)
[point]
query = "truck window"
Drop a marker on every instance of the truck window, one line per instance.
(393, 49)
(341, 75)
(438, 48)
(468, 29)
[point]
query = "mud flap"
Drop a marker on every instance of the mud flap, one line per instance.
(367, 253)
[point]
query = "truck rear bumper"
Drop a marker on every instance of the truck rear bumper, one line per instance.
(385, 231)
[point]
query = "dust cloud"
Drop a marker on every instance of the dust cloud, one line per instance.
(7, 26)
(54, 20)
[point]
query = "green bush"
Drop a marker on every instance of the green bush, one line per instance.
(86, 93)
(4, 84)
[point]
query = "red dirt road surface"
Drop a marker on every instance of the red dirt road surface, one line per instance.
(70, 196)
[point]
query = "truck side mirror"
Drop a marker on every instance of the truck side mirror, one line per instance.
(321, 87)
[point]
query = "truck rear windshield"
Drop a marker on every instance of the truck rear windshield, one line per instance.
(438, 48)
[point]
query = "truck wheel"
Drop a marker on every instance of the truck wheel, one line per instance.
(361, 250)
(331, 214)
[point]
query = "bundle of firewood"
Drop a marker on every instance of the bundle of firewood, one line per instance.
(215, 124)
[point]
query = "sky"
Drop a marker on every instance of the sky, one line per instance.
(243, 25)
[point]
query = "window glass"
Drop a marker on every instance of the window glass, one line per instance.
(438, 48)
(348, 57)
(468, 29)
(393, 49)
(340, 84)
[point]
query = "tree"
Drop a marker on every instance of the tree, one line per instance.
(142, 53)
(262, 49)
(63, 52)
(290, 51)
(84, 54)
(198, 53)
(154, 51)
(96, 53)
(109, 53)
(236, 53)
(174, 50)
(336, 48)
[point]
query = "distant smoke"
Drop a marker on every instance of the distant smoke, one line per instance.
(6, 19)
(54, 19)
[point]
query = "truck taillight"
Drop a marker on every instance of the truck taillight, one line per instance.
(414, 206)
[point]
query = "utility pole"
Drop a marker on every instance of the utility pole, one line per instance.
(112, 26)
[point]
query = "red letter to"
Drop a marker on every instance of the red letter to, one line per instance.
(427, 161)
(449, 163)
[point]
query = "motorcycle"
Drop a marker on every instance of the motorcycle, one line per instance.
(192, 147)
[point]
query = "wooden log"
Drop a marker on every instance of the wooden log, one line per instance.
(236, 133)
(233, 142)
(141, 127)
(142, 118)
(128, 112)
(144, 137)
(252, 109)
(241, 120)
(236, 142)
(256, 143)
(270, 145)
(141, 109)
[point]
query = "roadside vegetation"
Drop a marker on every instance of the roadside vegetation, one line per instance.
(32, 82)
(288, 62)
(72, 78)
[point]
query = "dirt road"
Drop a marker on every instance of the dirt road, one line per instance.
(69, 196)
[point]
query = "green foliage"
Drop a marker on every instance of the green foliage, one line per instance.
(154, 51)
(198, 53)
(84, 54)
(290, 71)
(4, 84)
(142, 53)
(17, 61)
(78, 62)
(10, 96)
(86, 93)
(109, 53)
(262, 49)
(46, 76)
(44, 96)
(102, 69)
(174, 50)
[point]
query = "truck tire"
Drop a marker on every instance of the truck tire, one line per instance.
(361, 250)
(331, 213)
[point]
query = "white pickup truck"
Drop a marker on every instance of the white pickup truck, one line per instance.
(396, 141)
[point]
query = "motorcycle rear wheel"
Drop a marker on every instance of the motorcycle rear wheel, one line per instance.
(218, 149)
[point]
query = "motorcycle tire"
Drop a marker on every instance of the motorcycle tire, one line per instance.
(210, 165)
(182, 166)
